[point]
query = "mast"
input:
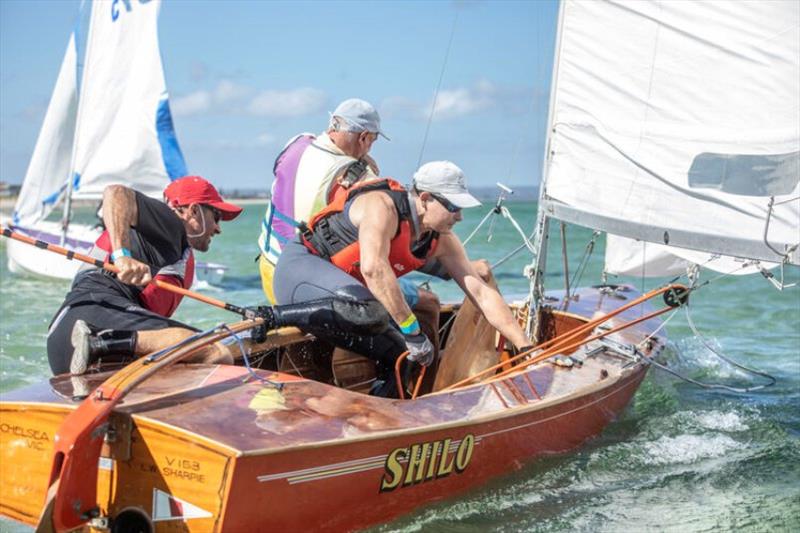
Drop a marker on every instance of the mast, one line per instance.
(81, 81)
(539, 264)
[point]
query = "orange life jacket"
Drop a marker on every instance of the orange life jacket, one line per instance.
(404, 255)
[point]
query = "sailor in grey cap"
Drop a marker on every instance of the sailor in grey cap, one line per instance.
(357, 115)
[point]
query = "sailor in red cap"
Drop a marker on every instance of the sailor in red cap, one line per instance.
(117, 317)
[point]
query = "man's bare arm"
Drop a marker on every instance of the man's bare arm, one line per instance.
(376, 219)
(119, 214)
(451, 253)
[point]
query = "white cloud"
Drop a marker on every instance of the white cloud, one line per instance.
(460, 102)
(450, 103)
(232, 98)
(296, 102)
(228, 92)
(191, 104)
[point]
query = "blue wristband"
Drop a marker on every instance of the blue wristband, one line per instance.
(121, 252)
(409, 325)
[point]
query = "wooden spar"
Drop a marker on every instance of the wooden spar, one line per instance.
(72, 495)
(110, 267)
(560, 343)
(553, 351)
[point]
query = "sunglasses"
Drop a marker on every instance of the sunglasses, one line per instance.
(214, 211)
(447, 204)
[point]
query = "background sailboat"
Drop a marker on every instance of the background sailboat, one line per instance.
(108, 122)
(677, 124)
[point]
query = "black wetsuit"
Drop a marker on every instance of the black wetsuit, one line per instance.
(98, 297)
(302, 276)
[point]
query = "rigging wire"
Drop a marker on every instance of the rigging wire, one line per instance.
(436, 93)
(584, 262)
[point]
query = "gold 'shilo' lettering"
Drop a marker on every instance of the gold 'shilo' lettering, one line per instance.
(416, 463)
(444, 468)
(394, 470)
(432, 464)
(464, 453)
(408, 466)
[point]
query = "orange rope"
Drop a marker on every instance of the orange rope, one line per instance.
(397, 364)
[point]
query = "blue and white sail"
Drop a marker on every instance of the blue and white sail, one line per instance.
(108, 120)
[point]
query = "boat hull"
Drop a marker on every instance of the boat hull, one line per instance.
(379, 480)
(209, 448)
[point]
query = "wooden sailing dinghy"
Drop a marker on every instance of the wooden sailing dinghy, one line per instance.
(649, 154)
(211, 448)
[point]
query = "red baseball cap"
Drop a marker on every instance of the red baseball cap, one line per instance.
(196, 190)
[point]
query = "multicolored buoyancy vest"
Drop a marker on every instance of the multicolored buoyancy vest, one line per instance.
(323, 236)
(304, 173)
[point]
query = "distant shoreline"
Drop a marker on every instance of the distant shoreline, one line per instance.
(485, 194)
(7, 203)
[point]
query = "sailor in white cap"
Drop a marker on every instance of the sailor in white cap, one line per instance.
(362, 242)
(444, 180)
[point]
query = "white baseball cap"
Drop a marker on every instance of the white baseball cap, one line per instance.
(359, 116)
(445, 179)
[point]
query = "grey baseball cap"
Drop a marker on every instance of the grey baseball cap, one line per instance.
(360, 116)
(445, 179)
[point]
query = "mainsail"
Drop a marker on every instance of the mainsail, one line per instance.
(678, 123)
(108, 120)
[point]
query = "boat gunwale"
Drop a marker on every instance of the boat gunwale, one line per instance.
(18, 405)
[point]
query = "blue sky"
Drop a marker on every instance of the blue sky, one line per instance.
(245, 76)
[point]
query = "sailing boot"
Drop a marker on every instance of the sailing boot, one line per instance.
(89, 345)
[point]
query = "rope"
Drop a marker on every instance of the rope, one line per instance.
(525, 240)
(509, 255)
(707, 385)
(740, 366)
(246, 359)
(787, 200)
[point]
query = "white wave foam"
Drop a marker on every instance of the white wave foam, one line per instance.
(720, 421)
(687, 448)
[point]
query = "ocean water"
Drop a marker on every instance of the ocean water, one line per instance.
(681, 458)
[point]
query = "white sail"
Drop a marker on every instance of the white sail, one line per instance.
(678, 123)
(108, 119)
(45, 180)
(629, 257)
